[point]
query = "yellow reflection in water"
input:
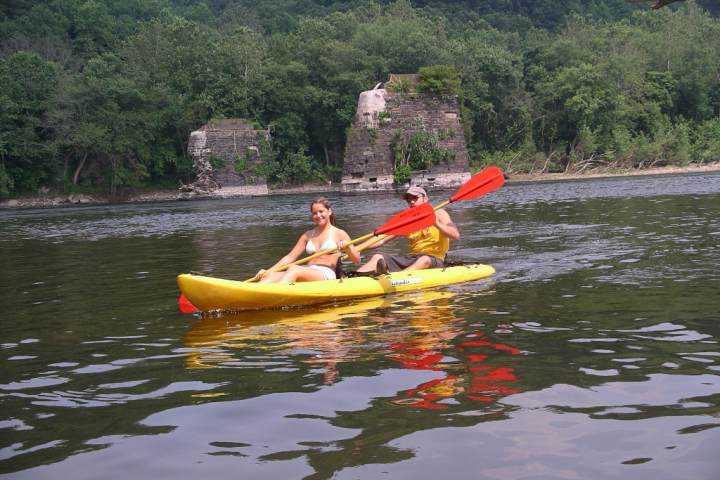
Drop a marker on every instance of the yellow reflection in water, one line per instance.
(418, 331)
(331, 334)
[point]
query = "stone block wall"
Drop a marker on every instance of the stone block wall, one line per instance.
(224, 142)
(369, 161)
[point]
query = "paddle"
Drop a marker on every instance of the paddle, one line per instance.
(402, 223)
(480, 184)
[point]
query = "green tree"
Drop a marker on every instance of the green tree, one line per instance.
(401, 40)
(497, 111)
(27, 157)
(99, 93)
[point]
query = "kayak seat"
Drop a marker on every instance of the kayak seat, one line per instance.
(353, 274)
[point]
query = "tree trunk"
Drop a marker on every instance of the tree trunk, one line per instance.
(66, 161)
(113, 164)
(183, 143)
(80, 166)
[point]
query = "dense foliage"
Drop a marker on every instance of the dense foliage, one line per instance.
(98, 94)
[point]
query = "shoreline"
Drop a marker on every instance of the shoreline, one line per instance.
(670, 170)
(60, 201)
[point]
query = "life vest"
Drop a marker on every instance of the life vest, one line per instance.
(429, 241)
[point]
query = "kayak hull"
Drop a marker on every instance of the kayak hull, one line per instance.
(209, 293)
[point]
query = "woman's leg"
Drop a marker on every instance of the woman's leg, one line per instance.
(272, 277)
(298, 273)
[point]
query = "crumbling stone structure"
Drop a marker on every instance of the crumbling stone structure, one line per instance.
(225, 153)
(382, 114)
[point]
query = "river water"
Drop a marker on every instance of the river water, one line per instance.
(591, 354)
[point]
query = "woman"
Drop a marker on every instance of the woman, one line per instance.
(324, 236)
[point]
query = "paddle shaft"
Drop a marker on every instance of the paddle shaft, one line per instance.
(402, 223)
(280, 268)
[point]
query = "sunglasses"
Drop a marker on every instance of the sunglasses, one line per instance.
(411, 198)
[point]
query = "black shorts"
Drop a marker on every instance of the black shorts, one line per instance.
(396, 263)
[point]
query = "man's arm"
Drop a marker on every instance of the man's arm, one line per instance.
(444, 223)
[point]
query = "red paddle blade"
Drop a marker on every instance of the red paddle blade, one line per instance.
(408, 221)
(185, 305)
(484, 182)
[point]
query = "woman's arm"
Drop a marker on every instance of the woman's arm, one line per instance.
(345, 246)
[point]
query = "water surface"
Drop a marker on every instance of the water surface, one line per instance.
(591, 354)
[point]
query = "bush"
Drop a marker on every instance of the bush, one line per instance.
(677, 145)
(705, 147)
(399, 86)
(402, 174)
(439, 80)
(621, 144)
(418, 152)
(241, 164)
(295, 169)
(6, 183)
(216, 162)
(524, 159)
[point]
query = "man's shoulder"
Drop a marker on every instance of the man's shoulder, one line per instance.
(442, 213)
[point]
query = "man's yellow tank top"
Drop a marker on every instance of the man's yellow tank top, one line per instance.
(428, 241)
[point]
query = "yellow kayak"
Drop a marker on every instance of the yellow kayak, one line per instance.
(208, 293)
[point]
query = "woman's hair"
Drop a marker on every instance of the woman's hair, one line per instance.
(325, 203)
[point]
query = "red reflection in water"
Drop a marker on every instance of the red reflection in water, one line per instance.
(479, 381)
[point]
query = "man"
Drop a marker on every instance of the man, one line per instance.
(427, 248)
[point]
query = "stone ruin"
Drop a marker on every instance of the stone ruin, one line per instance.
(223, 153)
(381, 112)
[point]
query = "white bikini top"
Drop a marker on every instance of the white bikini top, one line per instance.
(328, 244)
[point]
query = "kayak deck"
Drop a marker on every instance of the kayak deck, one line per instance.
(209, 293)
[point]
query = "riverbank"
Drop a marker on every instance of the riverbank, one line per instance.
(672, 170)
(51, 201)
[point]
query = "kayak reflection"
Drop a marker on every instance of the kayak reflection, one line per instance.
(217, 341)
(420, 331)
(472, 372)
